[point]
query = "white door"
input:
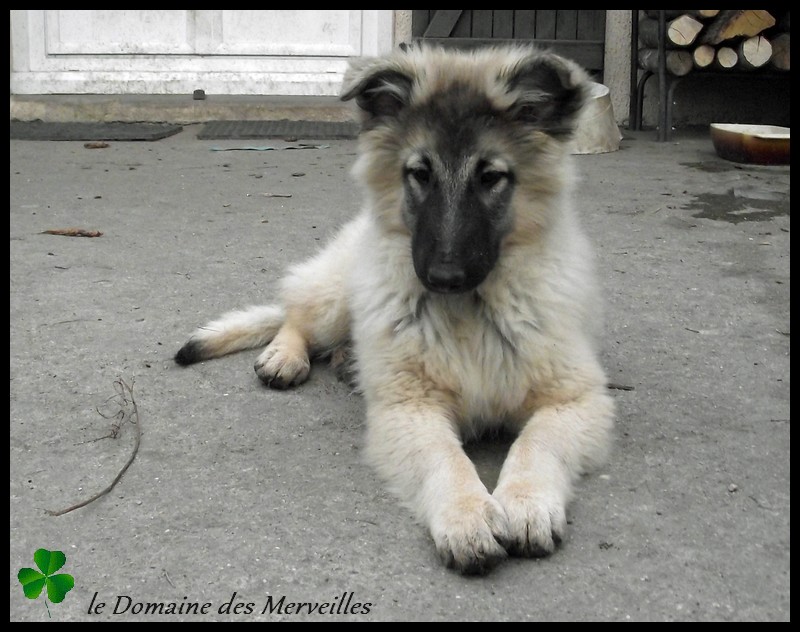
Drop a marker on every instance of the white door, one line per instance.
(279, 52)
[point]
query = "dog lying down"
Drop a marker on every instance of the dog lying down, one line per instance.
(466, 288)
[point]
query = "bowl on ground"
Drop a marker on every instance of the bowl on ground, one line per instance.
(751, 144)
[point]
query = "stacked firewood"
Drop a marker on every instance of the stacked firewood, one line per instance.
(716, 40)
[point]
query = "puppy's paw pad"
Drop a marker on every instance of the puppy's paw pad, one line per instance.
(468, 536)
(536, 522)
(280, 368)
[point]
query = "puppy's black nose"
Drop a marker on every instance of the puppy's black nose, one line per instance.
(446, 278)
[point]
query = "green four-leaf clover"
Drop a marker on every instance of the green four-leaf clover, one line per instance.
(57, 585)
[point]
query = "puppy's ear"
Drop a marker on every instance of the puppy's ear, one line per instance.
(380, 90)
(549, 92)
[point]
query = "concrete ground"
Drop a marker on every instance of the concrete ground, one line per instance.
(244, 494)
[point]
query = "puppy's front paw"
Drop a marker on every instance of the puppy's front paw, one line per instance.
(468, 532)
(281, 366)
(537, 519)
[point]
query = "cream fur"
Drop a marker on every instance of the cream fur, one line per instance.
(519, 351)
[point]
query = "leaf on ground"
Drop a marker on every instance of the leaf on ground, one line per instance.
(32, 582)
(58, 586)
(49, 561)
(72, 232)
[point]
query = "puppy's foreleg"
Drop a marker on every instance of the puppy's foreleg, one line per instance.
(285, 362)
(415, 446)
(560, 441)
(315, 296)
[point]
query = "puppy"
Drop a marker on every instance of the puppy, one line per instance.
(466, 287)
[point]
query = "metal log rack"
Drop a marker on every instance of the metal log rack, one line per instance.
(667, 82)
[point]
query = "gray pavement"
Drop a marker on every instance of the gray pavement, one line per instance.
(240, 489)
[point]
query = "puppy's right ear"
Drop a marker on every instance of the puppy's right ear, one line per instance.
(380, 90)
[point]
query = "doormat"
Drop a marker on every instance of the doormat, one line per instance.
(294, 130)
(45, 130)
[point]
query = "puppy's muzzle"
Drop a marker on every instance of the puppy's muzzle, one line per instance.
(446, 278)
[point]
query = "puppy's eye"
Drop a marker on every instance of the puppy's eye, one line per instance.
(421, 175)
(490, 178)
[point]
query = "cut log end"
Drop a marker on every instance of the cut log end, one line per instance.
(754, 52)
(726, 58)
(780, 52)
(703, 56)
(677, 62)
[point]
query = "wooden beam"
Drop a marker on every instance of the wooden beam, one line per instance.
(442, 23)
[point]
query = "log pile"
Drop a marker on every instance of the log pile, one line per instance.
(737, 40)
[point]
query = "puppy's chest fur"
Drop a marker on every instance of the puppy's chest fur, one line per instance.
(485, 348)
(481, 354)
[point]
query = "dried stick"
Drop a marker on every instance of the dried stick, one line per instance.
(619, 387)
(73, 232)
(122, 388)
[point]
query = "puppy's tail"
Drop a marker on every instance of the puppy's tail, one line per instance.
(235, 331)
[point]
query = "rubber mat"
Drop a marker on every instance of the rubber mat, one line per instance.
(46, 130)
(241, 130)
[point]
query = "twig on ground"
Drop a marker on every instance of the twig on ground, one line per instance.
(619, 387)
(125, 395)
(73, 232)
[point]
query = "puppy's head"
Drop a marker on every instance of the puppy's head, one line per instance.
(461, 149)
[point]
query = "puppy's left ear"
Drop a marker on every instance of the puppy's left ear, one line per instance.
(549, 93)
(379, 88)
